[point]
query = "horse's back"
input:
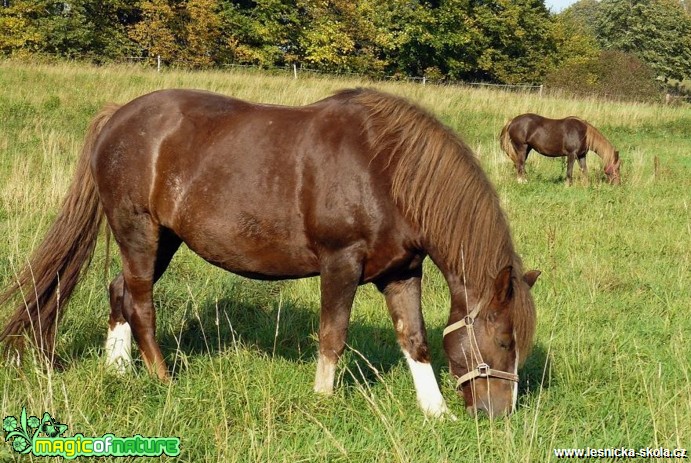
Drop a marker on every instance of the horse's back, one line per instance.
(256, 189)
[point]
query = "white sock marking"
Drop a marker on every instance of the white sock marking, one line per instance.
(428, 394)
(119, 347)
(326, 374)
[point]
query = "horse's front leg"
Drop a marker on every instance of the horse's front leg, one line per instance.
(340, 275)
(522, 156)
(584, 167)
(403, 300)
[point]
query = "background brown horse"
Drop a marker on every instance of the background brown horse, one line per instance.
(571, 137)
(357, 188)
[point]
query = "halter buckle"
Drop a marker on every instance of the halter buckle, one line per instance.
(483, 370)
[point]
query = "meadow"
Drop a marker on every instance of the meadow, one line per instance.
(611, 366)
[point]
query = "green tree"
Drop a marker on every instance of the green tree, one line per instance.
(612, 74)
(327, 39)
(657, 31)
(515, 39)
(443, 40)
(575, 41)
(261, 32)
(53, 27)
(155, 33)
(76, 29)
(109, 21)
(202, 32)
(342, 35)
(583, 13)
(18, 27)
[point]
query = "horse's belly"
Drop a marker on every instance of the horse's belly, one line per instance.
(268, 264)
(254, 248)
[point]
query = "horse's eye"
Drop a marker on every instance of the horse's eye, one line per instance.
(504, 344)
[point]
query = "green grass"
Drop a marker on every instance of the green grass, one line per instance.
(612, 362)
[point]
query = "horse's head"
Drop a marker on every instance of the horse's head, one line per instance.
(483, 345)
(612, 171)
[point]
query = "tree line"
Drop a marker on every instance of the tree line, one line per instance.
(501, 41)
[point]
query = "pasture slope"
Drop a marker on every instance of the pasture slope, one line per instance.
(611, 367)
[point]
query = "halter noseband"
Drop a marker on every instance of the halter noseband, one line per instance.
(482, 370)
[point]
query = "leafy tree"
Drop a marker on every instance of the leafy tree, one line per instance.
(109, 21)
(46, 26)
(447, 41)
(18, 29)
(202, 32)
(408, 37)
(584, 13)
(613, 74)
(155, 33)
(65, 29)
(344, 35)
(657, 31)
(327, 38)
(515, 39)
(574, 40)
(262, 32)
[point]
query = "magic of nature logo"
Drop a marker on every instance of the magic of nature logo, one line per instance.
(42, 437)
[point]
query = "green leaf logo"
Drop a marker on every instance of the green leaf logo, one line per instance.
(22, 432)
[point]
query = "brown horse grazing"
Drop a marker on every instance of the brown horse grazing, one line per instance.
(571, 137)
(357, 188)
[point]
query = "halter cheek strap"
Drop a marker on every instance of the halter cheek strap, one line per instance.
(482, 370)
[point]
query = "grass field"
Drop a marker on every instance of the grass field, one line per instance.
(611, 367)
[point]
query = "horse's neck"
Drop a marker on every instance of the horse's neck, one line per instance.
(601, 146)
(464, 298)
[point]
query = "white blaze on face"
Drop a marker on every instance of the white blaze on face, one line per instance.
(119, 347)
(428, 394)
(515, 384)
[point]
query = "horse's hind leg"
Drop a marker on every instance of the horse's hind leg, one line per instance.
(571, 159)
(403, 300)
(119, 339)
(146, 251)
(340, 275)
(522, 156)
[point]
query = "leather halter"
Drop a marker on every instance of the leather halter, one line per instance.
(482, 370)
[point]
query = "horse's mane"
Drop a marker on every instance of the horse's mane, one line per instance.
(598, 143)
(439, 185)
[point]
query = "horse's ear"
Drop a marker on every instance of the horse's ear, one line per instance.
(530, 277)
(503, 288)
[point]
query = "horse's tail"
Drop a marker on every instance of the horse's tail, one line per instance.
(53, 271)
(506, 143)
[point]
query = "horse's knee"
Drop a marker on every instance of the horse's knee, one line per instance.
(413, 342)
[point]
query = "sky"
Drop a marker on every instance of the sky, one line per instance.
(558, 5)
